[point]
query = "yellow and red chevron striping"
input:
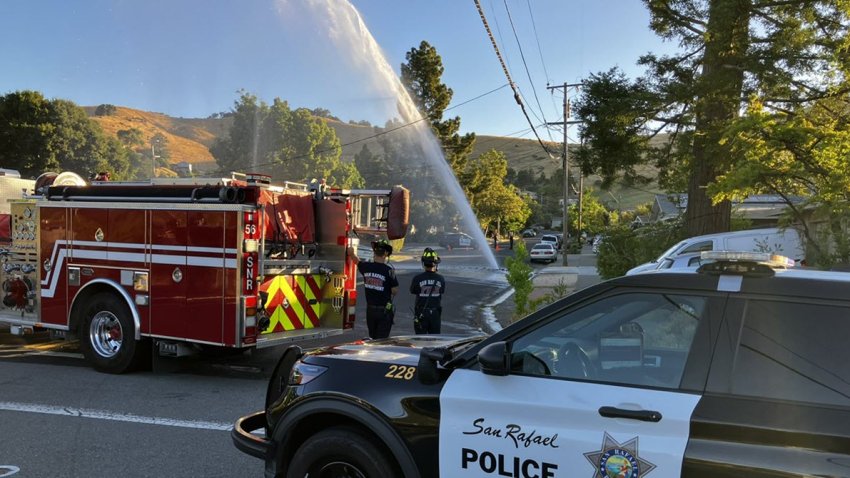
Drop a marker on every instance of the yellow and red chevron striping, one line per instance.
(294, 302)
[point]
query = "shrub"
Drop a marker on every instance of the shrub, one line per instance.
(519, 277)
(624, 248)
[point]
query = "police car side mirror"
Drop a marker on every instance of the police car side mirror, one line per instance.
(428, 369)
(494, 359)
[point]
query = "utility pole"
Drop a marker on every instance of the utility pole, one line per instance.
(580, 205)
(154, 142)
(565, 162)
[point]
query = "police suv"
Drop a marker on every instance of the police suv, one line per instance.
(741, 369)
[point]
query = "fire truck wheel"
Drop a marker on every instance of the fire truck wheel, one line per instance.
(107, 334)
(341, 451)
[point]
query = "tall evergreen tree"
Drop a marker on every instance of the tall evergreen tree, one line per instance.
(785, 53)
(422, 76)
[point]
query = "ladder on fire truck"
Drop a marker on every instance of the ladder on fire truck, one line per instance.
(369, 207)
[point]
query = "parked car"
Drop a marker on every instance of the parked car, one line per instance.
(551, 239)
(529, 233)
(543, 252)
(457, 240)
(597, 241)
(780, 241)
(735, 370)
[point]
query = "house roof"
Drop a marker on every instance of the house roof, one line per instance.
(671, 204)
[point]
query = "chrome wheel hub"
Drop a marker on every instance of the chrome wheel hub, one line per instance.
(105, 334)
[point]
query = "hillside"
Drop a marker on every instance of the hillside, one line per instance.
(189, 140)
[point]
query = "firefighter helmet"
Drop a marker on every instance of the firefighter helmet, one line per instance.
(430, 257)
(382, 247)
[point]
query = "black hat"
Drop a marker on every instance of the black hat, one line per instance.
(382, 246)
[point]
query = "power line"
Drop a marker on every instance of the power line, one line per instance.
(537, 38)
(499, 31)
(540, 52)
(527, 71)
(508, 75)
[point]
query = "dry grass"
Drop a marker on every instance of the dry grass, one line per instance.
(189, 140)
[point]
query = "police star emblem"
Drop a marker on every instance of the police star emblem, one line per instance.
(618, 460)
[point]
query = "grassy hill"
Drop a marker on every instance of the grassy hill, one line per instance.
(189, 140)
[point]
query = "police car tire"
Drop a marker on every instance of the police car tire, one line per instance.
(337, 445)
(128, 354)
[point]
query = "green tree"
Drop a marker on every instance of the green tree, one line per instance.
(26, 129)
(131, 137)
(133, 143)
(800, 153)
(593, 215)
(422, 76)
(373, 168)
(496, 204)
(39, 135)
(290, 145)
(786, 53)
(105, 110)
(238, 150)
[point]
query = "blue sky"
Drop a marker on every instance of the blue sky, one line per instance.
(189, 57)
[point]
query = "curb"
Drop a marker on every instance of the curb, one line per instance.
(487, 317)
(488, 320)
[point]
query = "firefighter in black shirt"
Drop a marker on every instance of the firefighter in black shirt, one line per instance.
(381, 286)
(429, 288)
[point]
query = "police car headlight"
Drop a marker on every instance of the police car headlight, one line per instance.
(303, 373)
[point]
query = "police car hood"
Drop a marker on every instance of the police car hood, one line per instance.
(402, 349)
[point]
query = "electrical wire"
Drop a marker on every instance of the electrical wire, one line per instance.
(537, 38)
(540, 52)
(386, 131)
(508, 75)
(527, 71)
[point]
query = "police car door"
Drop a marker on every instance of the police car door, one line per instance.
(602, 389)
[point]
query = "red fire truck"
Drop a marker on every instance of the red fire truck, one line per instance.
(173, 265)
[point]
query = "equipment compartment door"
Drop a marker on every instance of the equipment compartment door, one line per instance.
(205, 275)
(169, 316)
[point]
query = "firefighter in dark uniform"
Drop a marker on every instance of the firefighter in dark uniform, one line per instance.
(381, 286)
(428, 287)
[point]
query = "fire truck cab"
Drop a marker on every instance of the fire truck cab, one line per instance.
(176, 264)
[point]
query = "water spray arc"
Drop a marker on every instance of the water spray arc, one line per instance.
(353, 39)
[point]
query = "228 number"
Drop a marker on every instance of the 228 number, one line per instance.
(401, 372)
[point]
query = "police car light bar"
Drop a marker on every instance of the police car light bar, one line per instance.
(766, 258)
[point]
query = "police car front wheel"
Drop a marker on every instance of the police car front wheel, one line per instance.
(341, 453)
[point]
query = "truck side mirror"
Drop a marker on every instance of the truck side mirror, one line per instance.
(495, 359)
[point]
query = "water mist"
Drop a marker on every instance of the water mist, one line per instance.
(355, 43)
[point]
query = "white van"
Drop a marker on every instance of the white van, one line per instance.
(785, 242)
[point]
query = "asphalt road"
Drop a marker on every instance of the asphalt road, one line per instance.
(60, 418)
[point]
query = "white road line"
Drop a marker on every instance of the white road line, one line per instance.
(118, 417)
(8, 470)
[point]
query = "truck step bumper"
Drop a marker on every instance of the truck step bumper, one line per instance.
(289, 336)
